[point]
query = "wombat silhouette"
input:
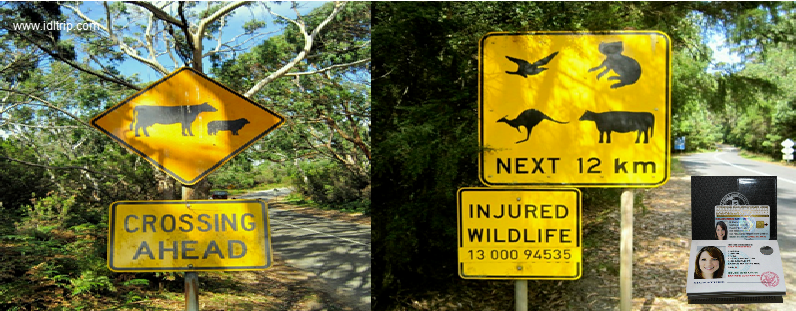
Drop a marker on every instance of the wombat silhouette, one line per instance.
(528, 118)
(226, 125)
(627, 69)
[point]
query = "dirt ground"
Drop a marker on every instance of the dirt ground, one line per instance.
(661, 243)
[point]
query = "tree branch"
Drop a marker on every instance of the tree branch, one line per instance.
(196, 38)
(218, 14)
(123, 46)
(59, 167)
(69, 62)
(327, 68)
(157, 12)
(189, 37)
(47, 104)
(308, 40)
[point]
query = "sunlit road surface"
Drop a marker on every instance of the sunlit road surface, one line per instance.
(336, 252)
(727, 162)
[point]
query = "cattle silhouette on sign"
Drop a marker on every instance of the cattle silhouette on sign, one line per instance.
(622, 122)
(146, 116)
(528, 118)
(627, 69)
(226, 125)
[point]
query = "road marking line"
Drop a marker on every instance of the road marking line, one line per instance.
(318, 232)
(751, 170)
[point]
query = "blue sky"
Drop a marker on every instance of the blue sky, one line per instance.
(721, 52)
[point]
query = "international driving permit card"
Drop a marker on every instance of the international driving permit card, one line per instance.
(744, 222)
(735, 268)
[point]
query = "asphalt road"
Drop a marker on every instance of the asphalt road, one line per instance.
(726, 162)
(336, 252)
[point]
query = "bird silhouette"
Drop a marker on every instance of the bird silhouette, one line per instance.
(525, 68)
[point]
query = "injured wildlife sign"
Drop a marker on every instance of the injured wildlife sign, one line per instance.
(511, 233)
(586, 109)
(189, 236)
(186, 124)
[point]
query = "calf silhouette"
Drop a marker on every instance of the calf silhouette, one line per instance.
(622, 122)
(226, 125)
(528, 118)
(146, 116)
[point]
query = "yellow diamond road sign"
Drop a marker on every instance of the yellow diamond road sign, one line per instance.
(189, 236)
(587, 109)
(186, 124)
(511, 233)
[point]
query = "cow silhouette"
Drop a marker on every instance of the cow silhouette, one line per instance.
(146, 116)
(528, 118)
(622, 122)
(226, 125)
(627, 69)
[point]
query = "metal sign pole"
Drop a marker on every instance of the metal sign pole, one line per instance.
(191, 278)
(521, 295)
(626, 252)
(191, 291)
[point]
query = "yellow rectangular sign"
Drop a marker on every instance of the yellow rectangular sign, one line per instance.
(586, 109)
(513, 233)
(189, 236)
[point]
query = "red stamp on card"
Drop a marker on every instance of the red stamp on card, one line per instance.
(769, 279)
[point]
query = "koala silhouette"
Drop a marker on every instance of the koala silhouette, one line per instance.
(627, 69)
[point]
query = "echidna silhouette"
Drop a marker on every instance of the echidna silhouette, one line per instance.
(528, 118)
(622, 122)
(525, 69)
(627, 69)
(146, 116)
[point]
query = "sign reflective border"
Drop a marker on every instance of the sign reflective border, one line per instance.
(189, 236)
(512, 233)
(585, 109)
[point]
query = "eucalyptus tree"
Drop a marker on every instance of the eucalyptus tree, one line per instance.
(159, 37)
(328, 113)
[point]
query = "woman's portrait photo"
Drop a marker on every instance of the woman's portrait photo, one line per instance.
(721, 231)
(709, 263)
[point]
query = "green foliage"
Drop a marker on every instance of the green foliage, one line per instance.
(327, 116)
(252, 25)
(241, 173)
(330, 185)
(90, 282)
(18, 182)
(43, 254)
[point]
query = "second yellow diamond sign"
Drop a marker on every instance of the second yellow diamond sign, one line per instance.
(587, 109)
(187, 124)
